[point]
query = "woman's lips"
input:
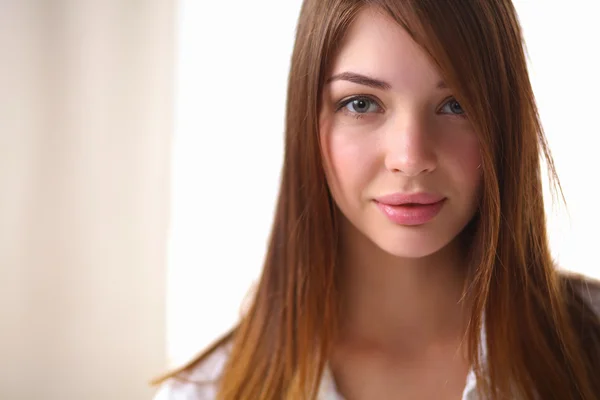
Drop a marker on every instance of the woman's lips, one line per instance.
(410, 209)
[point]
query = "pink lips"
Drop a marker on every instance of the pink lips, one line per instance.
(410, 209)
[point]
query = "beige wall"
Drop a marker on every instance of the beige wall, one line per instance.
(85, 128)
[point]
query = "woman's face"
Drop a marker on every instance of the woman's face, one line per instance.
(401, 157)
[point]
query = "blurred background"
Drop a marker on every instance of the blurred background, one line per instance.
(140, 148)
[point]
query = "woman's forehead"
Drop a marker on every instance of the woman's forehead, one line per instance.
(377, 46)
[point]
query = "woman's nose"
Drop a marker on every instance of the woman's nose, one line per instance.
(409, 147)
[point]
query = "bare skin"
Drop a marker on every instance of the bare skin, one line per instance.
(403, 335)
(404, 325)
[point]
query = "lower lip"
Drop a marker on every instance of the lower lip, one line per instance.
(411, 215)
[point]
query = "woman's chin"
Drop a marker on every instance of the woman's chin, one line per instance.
(406, 248)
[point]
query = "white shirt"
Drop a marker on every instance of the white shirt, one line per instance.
(199, 384)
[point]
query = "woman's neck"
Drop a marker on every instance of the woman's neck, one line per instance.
(401, 304)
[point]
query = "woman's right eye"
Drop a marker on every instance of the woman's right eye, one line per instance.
(359, 105)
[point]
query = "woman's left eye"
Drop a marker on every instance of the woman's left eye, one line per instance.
(453, 107)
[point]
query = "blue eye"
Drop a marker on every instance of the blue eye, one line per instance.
(453, 107)
(360, 105)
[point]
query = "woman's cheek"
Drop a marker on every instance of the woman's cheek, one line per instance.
(462, 150)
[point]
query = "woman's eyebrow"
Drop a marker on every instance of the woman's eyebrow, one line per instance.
(368, 81)
(360, 80)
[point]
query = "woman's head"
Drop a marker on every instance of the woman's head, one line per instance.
(475, 142)
(474, 49)
(391, 132)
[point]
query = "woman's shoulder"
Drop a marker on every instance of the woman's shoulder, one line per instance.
(586, 287)
(199, 379)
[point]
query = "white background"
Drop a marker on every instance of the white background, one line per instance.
(233, 60)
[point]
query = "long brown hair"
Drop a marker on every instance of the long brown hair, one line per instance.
(533, 316)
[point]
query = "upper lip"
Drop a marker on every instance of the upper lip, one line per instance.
(396, 199)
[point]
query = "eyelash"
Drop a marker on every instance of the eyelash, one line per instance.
(341, 106)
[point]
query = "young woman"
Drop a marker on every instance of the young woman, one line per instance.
(408, 257)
